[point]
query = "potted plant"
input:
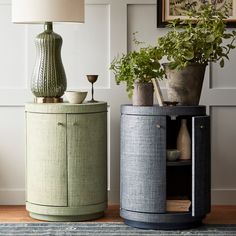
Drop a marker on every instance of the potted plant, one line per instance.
(189, 46)
(136, 69)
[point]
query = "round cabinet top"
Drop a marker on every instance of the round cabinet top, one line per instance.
(164, 111)
(55, 108)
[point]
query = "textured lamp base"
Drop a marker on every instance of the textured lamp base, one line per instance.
(48, 100)
(66, 218)
(49, 78)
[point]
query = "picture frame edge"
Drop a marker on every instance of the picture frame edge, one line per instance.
(162, 24)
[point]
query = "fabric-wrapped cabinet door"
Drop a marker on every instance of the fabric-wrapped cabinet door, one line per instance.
(46, 159)
(143, 163)
(66, 161)
(201, 168)
(87, 159)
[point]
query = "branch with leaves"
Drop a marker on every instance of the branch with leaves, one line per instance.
(200, 39)
(138, 66)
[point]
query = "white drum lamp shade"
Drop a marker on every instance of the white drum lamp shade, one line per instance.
(48, 81)
(40, 11)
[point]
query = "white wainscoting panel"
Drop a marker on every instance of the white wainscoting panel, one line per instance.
(12, 155)
(224, 77)
(142, 19)
(221, 77)
(12, 50)
(223, 133)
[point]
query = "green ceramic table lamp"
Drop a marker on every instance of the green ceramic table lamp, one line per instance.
(48, 82)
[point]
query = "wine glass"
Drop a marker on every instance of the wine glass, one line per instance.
(92, 79)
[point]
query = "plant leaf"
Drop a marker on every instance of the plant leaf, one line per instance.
(210, 38)
(222, 63)
(188, 55)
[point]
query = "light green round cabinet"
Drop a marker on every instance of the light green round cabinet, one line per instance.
(66, 161)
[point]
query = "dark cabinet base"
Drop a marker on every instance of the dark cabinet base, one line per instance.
(167, 221)
(163, 226)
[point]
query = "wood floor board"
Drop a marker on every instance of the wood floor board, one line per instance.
(219, 215)
(19, 214)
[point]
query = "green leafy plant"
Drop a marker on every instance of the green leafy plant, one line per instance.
(137, 66)
(198, 39)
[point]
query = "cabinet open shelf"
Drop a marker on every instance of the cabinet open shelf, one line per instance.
(179, 182)
(178, 205)
(179, 163)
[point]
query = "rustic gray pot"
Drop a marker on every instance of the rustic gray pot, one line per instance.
(143, 94)
(185, 86)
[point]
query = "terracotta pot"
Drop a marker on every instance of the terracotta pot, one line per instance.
(143, 94)
(185, 86)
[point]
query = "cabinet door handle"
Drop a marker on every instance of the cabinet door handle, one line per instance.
(75, 124)
(202, 127)
(158, 126)
(60, 124)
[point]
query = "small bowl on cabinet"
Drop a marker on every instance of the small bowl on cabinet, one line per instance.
(76, 97)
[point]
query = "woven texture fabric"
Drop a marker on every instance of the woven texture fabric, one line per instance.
(164, 111)
(66, 161)
(66, 108)
(144, 138)
(143, 163)
(106, 229)
(202, 156)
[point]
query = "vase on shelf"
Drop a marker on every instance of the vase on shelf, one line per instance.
(184, 141)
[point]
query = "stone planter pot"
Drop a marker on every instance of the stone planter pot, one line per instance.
(143, 94)
(185, 86)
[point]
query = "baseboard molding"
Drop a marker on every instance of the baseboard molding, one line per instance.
(12, 196)
(223, 196)
(17, 197)
(218, 197)
(114, 197)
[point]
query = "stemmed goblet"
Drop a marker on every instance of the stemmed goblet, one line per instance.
(92, 79)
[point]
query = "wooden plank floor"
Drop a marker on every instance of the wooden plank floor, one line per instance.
(219, 215)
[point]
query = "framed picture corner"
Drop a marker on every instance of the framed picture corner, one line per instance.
(168, 10)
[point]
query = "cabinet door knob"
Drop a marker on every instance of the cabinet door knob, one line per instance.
(59, 124)
(202, 127)
(75, 124)
(158, 126)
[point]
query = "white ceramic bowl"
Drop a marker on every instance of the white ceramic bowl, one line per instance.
(75, 97)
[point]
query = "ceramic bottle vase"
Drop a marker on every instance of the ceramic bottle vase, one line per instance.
(184, 141)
